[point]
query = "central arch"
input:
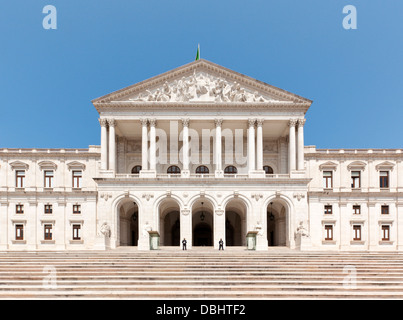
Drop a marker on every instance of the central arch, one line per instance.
(277, 224)
(202, 223)
(235, 223)
(128, 223)
(169, 215)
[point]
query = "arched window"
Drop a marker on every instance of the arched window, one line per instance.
(202, 170)
(136, 169)
(174, 170)
(230, 170)
(268, 170)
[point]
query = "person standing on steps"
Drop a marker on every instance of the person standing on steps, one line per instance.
(184, 242)
(221, 245)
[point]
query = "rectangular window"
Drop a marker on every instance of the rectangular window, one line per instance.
(48, 232)
(19, 232)
(19, 178)
(76, 209)
(19, 209)
(328, 232)
(357, 233)
(356, 209)
(48, 175)
(327, 179)
(328, 209)
(385, 209)
(356, 179)
(76, 232)
(385, 233)
(48, 209)
(77, 176)
(384, 179)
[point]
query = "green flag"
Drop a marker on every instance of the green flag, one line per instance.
(198, 53)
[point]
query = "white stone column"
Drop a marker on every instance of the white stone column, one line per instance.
(251, 145)
(186, 227)
(144, 144)
(112, 145)
(153, 159)
(291, 146)
(300, 151)
(259, 145)
(104, 144)
(185, 148)
(219, 228)
(218, 147)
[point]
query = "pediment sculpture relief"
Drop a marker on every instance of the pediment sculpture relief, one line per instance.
(200, 87)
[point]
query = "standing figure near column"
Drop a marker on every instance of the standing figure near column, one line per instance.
(221, 245)
(184, 242)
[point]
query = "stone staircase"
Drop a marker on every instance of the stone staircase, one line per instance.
(200, 274)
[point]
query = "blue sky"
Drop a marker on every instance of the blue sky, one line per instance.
(49, 77)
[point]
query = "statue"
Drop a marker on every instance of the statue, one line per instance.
(146, 228)
(301, 231)
(105, 230)
(259, 228)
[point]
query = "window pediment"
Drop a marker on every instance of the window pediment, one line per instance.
(356, 165)
(385, 166)
(328, 166)
(47, 165)
(76, 165)
(19, 165)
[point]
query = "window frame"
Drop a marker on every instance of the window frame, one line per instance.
(385, 230)
(384, 180)
(77, 179)
(19, 232)
(354, 180)
(202, 170)
(76, 229)
(329, 231)
(173, 170)
(136, 169)
(47, 232)
(76, 208)
(356, 209)
(326, 209)
(48, 180)
(19, 209)
(267, 169)
(231, 170)
(326, 180)
(357, 230)
(20, 179)
(385, 210)
(48, 209)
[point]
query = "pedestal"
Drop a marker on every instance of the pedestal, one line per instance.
(102, 243)
(154, 240)
(251, 240)
(303, 243)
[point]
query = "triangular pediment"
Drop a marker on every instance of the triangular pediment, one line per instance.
(201, 82)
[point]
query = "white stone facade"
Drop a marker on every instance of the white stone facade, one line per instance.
(201, 153)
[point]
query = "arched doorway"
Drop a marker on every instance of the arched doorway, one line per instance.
(128, 223)
(235, 223)
(169, 213)
(203, 223)
(276, 224)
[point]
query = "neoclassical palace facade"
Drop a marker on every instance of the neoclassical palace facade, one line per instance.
(202, 153)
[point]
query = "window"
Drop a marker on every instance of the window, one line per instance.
(76, 232)
(19, 178)
(356, 209)
(385, 233)
(268, 169)
(76, 209)
(327, 179)
(356, 179)
(48, 209)
(357, 233)
(385, 209)
(77, 176)
(19, 232)
(174, 170)
(328, 232)
(136, 169)
(48, 176)
(48, 232)
(19, 209)
(230, 170)
(384, 179)
(328, 209)
(202, 170)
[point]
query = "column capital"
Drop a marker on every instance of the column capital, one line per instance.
(185, 122)
(111, 122)
(251, 122)
(144, 122)
(103, 122)
(153, 122)
(218, 122)
(301, 122)
(292, 122)
(259, 122)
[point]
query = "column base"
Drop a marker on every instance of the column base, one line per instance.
(219, 174)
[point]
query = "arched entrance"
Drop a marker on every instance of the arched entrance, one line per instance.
(235, 223)
(276, 224)
(202, 223)
(169, 213)
(128, 223)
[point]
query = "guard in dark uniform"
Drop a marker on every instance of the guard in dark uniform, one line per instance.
(221, 245)
(184, 242)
